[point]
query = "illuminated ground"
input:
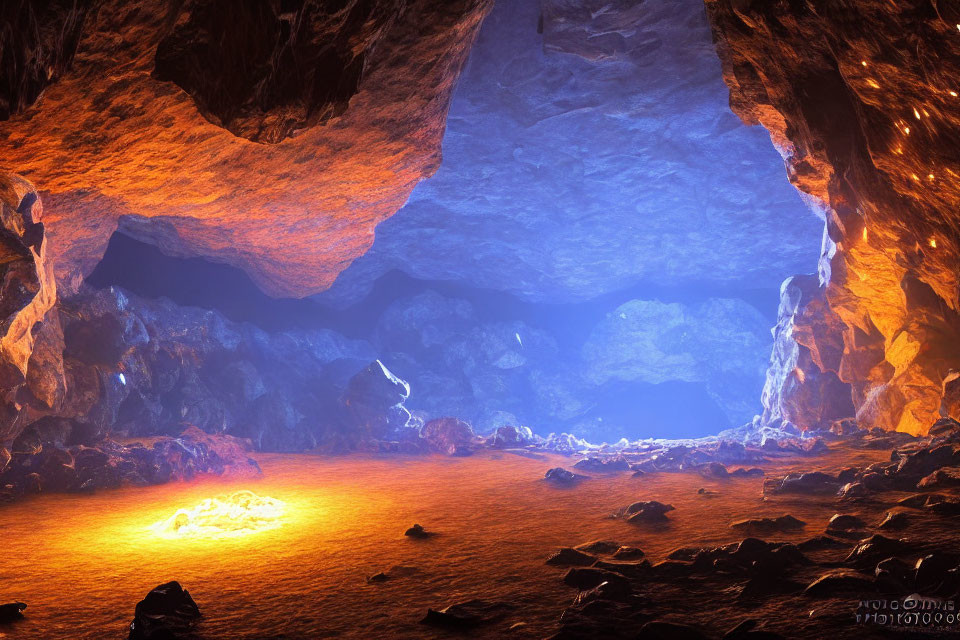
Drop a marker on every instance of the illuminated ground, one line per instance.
(83, 562)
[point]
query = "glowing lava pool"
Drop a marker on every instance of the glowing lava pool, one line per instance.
(238, 514)
(82, 562)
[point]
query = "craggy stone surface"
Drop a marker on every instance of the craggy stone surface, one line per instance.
(264, 71)
(27, 293)
(861, 99)
(594, 156)
(111, 143)
(719, 343)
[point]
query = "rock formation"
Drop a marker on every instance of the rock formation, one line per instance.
(861, 100)
(596, 155)
(355, 98)
(27, 293)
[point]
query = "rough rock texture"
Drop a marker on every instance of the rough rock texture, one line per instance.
(36, 48)
(719, 343)
(48, 460)
(272, 68)
(802, 386)
(861, 99)
(168, 611)
(27, 293)
(493, 372)
(145, 367)
(112, 143)
(594, 156)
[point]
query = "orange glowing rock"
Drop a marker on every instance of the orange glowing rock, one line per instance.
(237, 514)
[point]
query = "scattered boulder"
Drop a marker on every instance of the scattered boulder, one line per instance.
(893, 574)
(933, 569)
(466, 615)
(11, 611)
(713, 470)
(417, 531)
(571, 557)
(845, 523)
(378, 577)
(643, 512)
(450, 436)
(782, 523)
(599, 546)
(921, 500)
(166, 612)
(589, 577)
(941, 478)
(895, 521)
(754, 472)
(560, 476)
(871, 550)
(507, 437)
(811, 483)
(628, 553)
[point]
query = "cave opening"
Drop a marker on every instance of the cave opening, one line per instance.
(599, 253)
(565, 319)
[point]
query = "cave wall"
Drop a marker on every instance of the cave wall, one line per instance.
(861, 100)
(146, 129)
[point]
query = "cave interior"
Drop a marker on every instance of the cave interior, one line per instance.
(395, 314)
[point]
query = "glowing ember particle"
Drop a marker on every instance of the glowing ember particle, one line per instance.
(237, 514)
(953, 93)
(930, 176)
(864, 234)
(933, 243)
(873, 83)
(863, 62)
(906, 130)
(914, 176)
(916, 113)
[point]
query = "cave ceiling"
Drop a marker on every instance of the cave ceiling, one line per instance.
(271, 136)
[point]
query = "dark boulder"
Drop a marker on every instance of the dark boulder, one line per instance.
(373, 404)
(466, 615)
(571, 557)
(560, 476)
(648, 511)
(781, 523)
(871, 550)
(11, 611)
(417, 531)
(814, 482)
(599, 546)
(845, 523)
(628, 553)
(894, 521)
(166, 613)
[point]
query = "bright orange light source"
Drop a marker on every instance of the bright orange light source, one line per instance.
(238, 514)
(864, 234)
(933, 242)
